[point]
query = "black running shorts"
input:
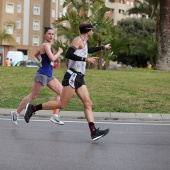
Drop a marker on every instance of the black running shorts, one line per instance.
(75, 80)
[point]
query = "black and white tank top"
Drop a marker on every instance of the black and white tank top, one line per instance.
(79, 66)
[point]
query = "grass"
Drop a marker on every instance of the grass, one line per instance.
(136, 90)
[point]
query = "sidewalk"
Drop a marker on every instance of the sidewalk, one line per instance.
(98, 115)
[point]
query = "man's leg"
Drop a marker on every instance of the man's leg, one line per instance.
(66, 95)
(83, 94)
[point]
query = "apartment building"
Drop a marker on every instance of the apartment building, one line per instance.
(30, 16)
(118, 9)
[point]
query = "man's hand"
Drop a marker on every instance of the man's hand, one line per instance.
(107, 47)
(92, 59)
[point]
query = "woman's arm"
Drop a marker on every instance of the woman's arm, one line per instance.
(52, 57)
(37, 55)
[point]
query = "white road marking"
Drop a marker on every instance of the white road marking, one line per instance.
(96, 122)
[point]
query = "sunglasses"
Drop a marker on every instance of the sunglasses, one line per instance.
(92, 30)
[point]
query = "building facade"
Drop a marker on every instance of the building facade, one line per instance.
(30, 17)
(118, 9)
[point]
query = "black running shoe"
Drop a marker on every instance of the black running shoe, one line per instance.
(28, 112)
(99, 133)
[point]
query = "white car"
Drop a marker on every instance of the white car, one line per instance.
(29, 63)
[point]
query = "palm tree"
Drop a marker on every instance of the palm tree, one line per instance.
(81, 7)
(104, 28)
(72, 30)
(163, 62)
(148, 8)
(4, 36)
(66, 33)
(78, 11)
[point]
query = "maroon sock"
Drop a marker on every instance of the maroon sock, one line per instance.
(37, 107)
(92, 127)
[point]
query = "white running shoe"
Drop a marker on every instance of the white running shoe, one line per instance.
(56, 119)
(14, 117)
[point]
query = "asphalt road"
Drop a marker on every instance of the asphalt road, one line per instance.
(42, 145)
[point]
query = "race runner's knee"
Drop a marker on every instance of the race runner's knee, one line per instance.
(88, 104)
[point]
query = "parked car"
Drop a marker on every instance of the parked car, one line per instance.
(29, 63)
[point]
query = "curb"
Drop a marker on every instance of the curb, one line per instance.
(111, 116)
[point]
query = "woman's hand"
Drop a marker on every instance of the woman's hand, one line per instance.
(60, 50)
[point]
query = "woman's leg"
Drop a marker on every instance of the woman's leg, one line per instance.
(36, 88)
(57, 87)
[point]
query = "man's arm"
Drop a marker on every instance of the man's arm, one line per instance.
(76, 44)
(70, 54)
(95, 49)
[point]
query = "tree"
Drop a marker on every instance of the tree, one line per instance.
(4, 36)
(147, 8)
(92, 11)
(81, 7)
(145, 49)
(73, 18)
(136, 44)
(163, 62)
(104, 28)
(138, 27)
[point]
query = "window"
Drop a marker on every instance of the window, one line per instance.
(60, 14)
(36, 25)
(128, 3)
(18, 24)
(131, 3)
(9, 29)
(53, 13)
(121, 11)
(18, 7)
(9, 8)
(35, 41)
(18, 39)
(53, 1)
(61, 2)
(36, 10)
